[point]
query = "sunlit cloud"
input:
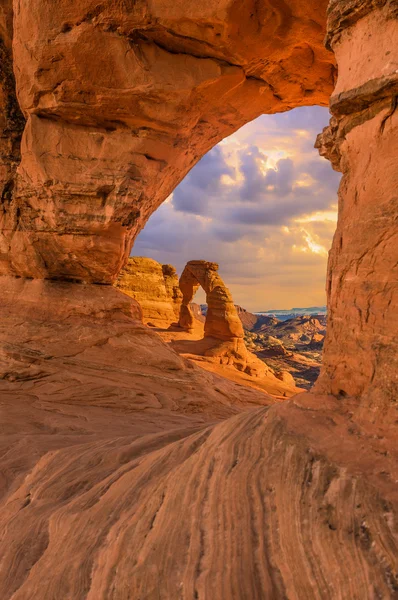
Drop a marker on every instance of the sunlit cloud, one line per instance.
(305, 181)
(304, 133)
(318, 217)
(313, 246)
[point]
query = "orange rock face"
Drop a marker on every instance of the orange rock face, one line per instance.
(122, 100)
(155, 287)
(172, 284)
(12, 121)
(223, 329)
(361, 351)
(222, 321)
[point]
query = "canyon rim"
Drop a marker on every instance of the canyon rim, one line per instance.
(127, 470)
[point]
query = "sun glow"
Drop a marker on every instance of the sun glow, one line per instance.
(319, 217)
(305, 181)
(271, 158)
(312, 245)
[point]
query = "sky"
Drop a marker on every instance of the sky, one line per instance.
(262, 204)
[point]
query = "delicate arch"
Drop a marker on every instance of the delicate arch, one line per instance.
(222, 320)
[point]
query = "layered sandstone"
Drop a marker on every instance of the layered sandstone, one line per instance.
(172, 285)
(288, 502)
(154, 287)
(74, 345)
(121, 101)
(253, 322)
(222, 321)
(361, 350)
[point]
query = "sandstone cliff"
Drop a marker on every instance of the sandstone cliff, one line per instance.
(253, 322)
(361, 348)
(155, 287)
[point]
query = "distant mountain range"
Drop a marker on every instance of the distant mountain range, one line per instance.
(284, 315)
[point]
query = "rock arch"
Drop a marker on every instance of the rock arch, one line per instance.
(223, 330)
(106, 142)
(119, 100)
(222, 320)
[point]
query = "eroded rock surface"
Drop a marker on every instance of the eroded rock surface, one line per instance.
(155, 287)
(222, 321)
(116, 480)
(108, 508)
(361, 351)
(294, 345)
(122, 100)
(172, 284)
(86, 344)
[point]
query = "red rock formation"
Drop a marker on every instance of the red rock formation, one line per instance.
(196, 310)
(11, 119)
(361, 351)
(155, 287)
(106, 141)
(262, 505)
(222, 321)
(223, 330)
(115, 482)
(172, 285)
(247, 318)
(72, 344)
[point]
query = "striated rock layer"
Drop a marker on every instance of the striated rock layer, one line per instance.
(361, 351)
(155, 287)
(86, 345)
(272, 503)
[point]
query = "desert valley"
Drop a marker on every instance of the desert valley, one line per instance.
(155, 445)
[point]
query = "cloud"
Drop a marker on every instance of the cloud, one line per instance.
(263, 205)
(203, 184)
